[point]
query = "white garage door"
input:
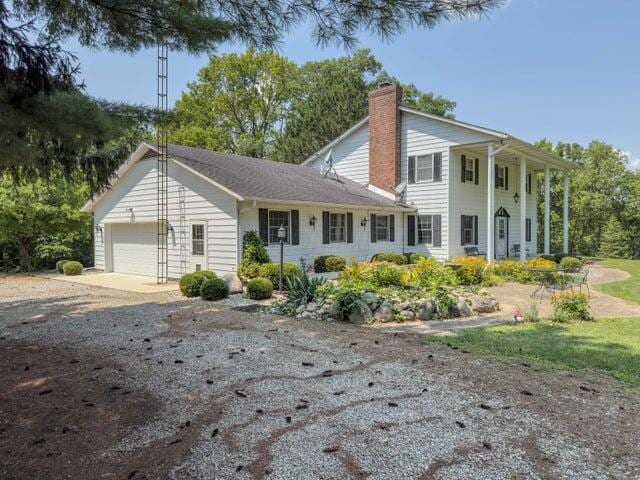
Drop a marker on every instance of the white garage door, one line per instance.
(134, 248)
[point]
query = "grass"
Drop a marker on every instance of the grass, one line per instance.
(611, 345)
(628, 289)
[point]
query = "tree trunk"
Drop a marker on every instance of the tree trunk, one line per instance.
(24, 246)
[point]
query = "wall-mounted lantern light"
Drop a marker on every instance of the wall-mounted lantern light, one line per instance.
(516, 198)
(363, 222)
(170, 228)
(312, 221)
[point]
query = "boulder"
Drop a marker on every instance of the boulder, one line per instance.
(300, 309)
(426, 310)
(484, 304)
(407, 315)
(311, 307)
(404, 306)
(384, 313)
(307, 314)
(361, 314)
(371, 299)
(233, 282)
(462, 309)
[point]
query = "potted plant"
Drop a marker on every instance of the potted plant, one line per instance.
(518, 316)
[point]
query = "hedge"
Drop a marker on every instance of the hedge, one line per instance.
(259, 288)
(329, 263)
(60, 264)
(213, 289)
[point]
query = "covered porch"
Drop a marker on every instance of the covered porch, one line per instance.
(513, 207)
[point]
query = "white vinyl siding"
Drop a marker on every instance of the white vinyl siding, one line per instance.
(133, 199)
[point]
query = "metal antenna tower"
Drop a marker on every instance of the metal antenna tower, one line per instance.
(163, 160)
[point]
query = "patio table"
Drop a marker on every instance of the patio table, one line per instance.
(549, 279)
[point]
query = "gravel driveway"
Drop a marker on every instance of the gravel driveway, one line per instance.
(98, 383)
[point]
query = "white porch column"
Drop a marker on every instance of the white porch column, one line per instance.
(565, 214)
(523, 209)
(491, 160)
(547, 201)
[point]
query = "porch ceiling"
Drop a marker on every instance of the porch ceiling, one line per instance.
(518, 149)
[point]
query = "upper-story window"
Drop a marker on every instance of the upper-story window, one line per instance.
(425, 229)
(469, 170)
(501, 177)
(425, 168)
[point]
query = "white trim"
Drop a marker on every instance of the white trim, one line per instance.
(399, 208)
(380, 191)
(458, 123)
(335, 141)
(212, 182)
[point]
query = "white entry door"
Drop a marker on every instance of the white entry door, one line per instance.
(198, 246)
(502, 241)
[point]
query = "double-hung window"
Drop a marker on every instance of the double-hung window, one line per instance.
(424, 168)
(468, 227)
(425, 229)
(197, 239)
(276, 220)
(501, 181)
(469, 170)
(382, 228)
(337, 227)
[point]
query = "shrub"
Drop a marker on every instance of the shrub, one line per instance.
(383, 274)
(47, 254)
(271, 271)
(259, 288)
(570, 306)
(510, 270)
(551, 258)
(539, 262)
(207, 274)
(329, 263)
(254, 254)
(559, 256)
(471, 270)
(491, 279)
(214, 289)
(532, 314)
(60, 264)
(571, 264)
(414, 257)
(190, 284)
(71, 267)
(346, 301)
(391, 257)
(431, 274)
(302, 289)
(354, 273)
(444, 302)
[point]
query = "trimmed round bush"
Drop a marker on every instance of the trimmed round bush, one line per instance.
(60, 264)
(571, 264)
(213, 289)
(259, 288)
(71, 267)
(207, 274)
(392, 257)
(551, 258)
(329, 263)
(190, 284)
(271, 271)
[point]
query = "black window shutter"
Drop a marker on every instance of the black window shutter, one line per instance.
(506, 178)
(295, 227)
(462, 229)
(464, 168)
(529, 185)
(496, 177)
(411, 229)
(263, 225)
(392, 228)
(325, 227)
(528, 230)
(372, 227)
(437, 167)
(477, 175)
(349, 227)
(475, 229)
(412, 169)
(437, 230)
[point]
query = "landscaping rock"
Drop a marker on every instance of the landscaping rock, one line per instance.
(484, 304)
(307, 314)
(462, 309)
(404, 306)
(384, 313)
(312, 307)
(426, 310)
(371, 299)
(233, 282)
(301, 309)
(362, 314)
(407, 315)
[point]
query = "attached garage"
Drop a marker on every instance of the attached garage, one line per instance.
(134, 248)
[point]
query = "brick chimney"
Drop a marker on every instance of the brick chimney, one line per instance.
(384, 136)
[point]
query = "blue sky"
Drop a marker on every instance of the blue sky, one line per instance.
(562, 69)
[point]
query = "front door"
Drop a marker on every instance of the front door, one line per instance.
(502, 242)
(198, 246)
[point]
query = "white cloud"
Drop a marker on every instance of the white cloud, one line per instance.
(633, 161)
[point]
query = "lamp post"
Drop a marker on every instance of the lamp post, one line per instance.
(282, 233)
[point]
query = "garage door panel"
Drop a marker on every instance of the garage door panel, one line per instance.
(134, 248)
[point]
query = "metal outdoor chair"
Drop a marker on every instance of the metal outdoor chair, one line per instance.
(516, 251)
(473, 252)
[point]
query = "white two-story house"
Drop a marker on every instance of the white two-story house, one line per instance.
(399, 180)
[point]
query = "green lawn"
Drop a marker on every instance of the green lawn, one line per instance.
(628, 289)
(610, 345)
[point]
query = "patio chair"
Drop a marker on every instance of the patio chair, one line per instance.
(516, 251)
(580, 279)
(473, 252)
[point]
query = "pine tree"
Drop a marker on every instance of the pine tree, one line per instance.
(614, 241)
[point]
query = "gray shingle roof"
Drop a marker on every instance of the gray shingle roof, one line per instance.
(254, 178)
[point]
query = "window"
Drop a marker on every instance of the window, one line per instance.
(424, 168)
(337, 227)
(425, 229)
(469, 170)
(501, 181)
(276, 220)
(468, 233)
(382, 228)
(197, 239)
(528, 229)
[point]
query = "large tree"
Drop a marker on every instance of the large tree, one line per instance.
(237, 104)
(33, 64)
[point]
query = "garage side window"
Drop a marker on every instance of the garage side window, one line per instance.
(197, 239)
